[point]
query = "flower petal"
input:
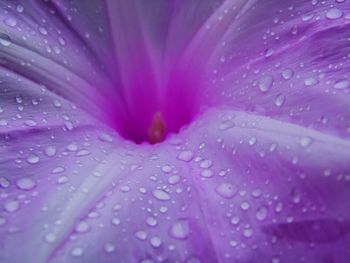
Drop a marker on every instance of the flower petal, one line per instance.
(233, 187)
(267, 62)
(270, 191)
(44, 44)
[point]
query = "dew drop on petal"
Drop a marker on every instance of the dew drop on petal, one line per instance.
(77, 252)
(109, 247)
(342, 84)
(11, 206)
(4, 182)
(226, 124)
(265, 83)
(334, 13)
(287, 74)
(20, 8)
(185, 156)
(280, 99)
(33, 159)
(82, 227)
(180, 229)
(50, 238)
(10, 21)
(261, 213)
(156, 241)
(235, 220)
(207, 173)
(174, 179)
(248, 232)
(226, 190)
(50, 151)
(161, 195)
(306, 141)
(310, 81)
(25, 183)
(5, 40)
(106, 137)
(141, 235)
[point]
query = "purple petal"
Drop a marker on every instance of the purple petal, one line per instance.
(288, 61)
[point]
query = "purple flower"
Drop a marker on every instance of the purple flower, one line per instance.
(174, 131)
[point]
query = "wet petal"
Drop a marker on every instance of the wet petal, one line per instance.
(270, 191)
(43, 43)
(266, 62)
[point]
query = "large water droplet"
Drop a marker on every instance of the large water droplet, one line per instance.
(226, 190)
(306, 141)
(265, 83)
(180, 229)
(342, 84)
(5, 40)
(185, 156)
(25, 183)
(161, 195)
(11, 206)
(10, 21)
(334, 13)
(287, 74)
(33, 159)
(77, 252)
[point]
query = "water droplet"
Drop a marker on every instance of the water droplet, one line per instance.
(161, 195)
(226, 124)
(310, 81)
(185, 156)
(82, 227)
(50, 151)
(156, 241)
(50, 238)
(151, 221)
(3, 122)
(11, 206)
(235, 220)
(334, 13)
(4, 182)
(245, 205)
(248, 232)
(20, 8)
(226, 190)
(265, 83)
(206, 164)
(261, 213)
(287, 74)
(30, 123)
(180, 229)
(77, 252)
(342, 84)
(306, 141)
(109, 247)
(207, 173)
(115, 221)
(142, 235)
(5, 40)
(25, 183)
(173, 179)
(106, 137)
(33, 159)
(252, 141)
(280, 99)
(166, 169)
(10, 21)
(43, 30)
